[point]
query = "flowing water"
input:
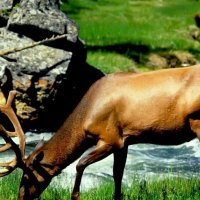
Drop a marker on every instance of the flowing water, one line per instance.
(143, 161)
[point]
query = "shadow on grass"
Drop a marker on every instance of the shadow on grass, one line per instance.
(69, 7)
(137, 52)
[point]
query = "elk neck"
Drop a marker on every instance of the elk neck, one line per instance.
(68, 143)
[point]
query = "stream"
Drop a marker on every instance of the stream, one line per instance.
(143, 161)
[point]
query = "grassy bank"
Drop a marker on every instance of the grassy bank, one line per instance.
(156, 189)
(121, 34)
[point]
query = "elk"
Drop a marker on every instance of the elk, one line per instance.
(160, 107)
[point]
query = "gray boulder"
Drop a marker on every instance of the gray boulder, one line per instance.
(29, 16)
(50, 78)
(6, 4)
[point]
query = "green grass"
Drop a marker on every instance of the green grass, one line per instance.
(9, 186)
(152, 189)
(102, 60)
(133, 29)
(155, 23)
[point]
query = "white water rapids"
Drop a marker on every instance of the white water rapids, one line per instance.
(144, 160)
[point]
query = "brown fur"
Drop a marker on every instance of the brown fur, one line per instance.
(160, 107)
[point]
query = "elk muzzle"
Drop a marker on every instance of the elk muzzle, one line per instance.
(32, 185)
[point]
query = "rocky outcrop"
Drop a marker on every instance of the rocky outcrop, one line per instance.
(43, 16)
(50, 78)
(6, 4)
(171, 59)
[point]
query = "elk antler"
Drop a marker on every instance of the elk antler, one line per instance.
(6, 135)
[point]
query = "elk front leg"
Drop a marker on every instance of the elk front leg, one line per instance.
(120, 156)
(101, 151)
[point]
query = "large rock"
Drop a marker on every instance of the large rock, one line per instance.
(6, 4)
(44, 15)
(50, 78)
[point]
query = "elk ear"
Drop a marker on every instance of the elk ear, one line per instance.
(39, 145)
(39, 156)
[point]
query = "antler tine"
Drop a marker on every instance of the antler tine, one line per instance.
(11, 165)
(5, 147)
(11, 97)
(10, 144)
(8, 110)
